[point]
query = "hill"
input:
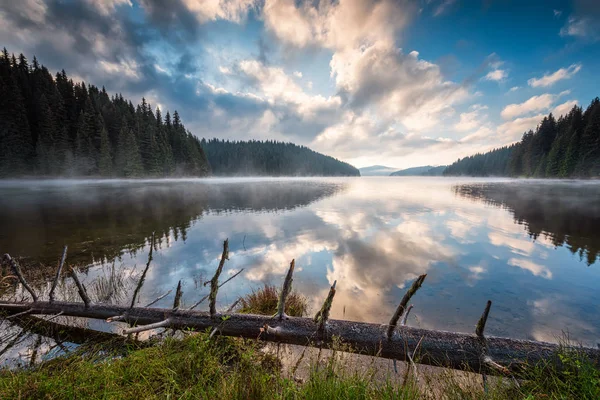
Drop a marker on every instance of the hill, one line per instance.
(270, 158)
(376, 170)
(565, 148)
(426, 170)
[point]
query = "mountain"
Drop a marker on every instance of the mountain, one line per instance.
(426, 170)
(567, 147)
(376, 170)
(270, 158)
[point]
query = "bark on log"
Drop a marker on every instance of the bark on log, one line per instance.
(446, 349)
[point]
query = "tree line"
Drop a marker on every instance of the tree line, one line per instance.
(247, 158)
(567, 147)
(51, 126)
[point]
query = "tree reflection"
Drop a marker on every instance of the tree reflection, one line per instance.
(568, 214)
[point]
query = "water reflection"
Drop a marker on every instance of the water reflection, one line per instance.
(372, 235)
(100, 220)
(568, 213)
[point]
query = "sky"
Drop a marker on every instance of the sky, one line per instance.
(401, 83)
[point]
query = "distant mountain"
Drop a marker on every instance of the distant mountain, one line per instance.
(427, 170)
(376, 170)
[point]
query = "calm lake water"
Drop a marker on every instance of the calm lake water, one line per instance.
(529, 246)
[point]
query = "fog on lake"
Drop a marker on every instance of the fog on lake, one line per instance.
(529, 246)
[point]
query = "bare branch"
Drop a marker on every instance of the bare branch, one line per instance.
(323, 315)
(214, 282)
(143, 277)
(17, 270)
(19, 314)
(232, 307)
(405, 317)
(221, 284)
(402, 306)
(82, 292)
(148, 327)
(178, 294)
(159, 298)
(58, 271)
(481, 323)
(285, 291)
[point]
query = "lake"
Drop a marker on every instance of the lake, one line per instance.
(529, 246)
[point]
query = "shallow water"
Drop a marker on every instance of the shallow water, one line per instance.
(529, 246)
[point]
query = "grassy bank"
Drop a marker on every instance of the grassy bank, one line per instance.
(199, 367)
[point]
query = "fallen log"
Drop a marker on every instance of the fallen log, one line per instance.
(445, 349)
(462, 351)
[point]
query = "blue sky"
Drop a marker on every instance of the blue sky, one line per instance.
(394, 82)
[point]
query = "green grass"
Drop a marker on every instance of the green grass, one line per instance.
(199, 367)
(263, 301)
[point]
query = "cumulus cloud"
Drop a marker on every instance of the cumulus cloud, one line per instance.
(497, 75)
(533, 104)
(513, 130)
(471, 120)
(550, 79)
(581, 27)
(564, 108)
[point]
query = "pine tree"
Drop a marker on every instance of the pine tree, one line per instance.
(105, 159)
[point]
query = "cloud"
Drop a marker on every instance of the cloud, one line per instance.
(497, 75)
(550, 79)
(535, 269)
(581, 27)
(471, 120)
(442, 7)
(557, 13)
(298, 74)
(514, 88)
(513, 130)
(563, 109)
(533, 104)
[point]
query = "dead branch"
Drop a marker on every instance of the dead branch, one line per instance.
(17, 270)
(214, 282)
(58, 271)
(402, 306)
(285, 291)
(81, 289)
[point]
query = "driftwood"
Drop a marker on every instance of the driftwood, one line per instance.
(471, 352)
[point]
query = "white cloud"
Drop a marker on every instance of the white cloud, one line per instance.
(535, 269)
(471, 120)
(550, 79)
(582, 27)
(442, 7)
(564, 108)
(513, 130)
(535, 103)
(128, 68)
(497, 75)
(298, 74)
(107, 7)
(279, 88)
(514, 88)
(557, 13)
(210, 10)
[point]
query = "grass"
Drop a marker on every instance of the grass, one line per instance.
(199, 367)
(263, 301)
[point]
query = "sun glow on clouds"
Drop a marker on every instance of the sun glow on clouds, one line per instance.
(370, 98)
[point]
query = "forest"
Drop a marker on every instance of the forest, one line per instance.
(567, 147)
(247, 158)
(51, 126)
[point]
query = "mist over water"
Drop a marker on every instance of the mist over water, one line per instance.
(529, 246)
